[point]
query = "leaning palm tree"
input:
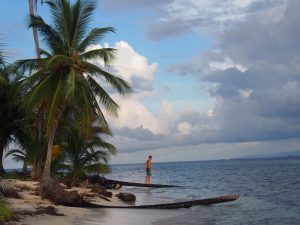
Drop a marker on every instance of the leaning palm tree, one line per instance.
(64, 77)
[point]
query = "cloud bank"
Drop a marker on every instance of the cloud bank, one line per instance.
(254, 74)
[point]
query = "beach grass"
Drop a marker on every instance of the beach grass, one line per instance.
(5, 212)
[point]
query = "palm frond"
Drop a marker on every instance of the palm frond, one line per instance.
(57, 60)
(39, 93)
(97, 168)
(55, 107)
(62, 20)
(104, 54)
(28, 65)
(15, 152)
(82, 14)
(93, 37)
(121, 85)
(43, 52)
(110, 105)
(71, 85)
(51, 37)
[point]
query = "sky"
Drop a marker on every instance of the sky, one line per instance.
(211, 79)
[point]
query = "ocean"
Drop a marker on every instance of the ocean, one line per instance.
(269, 192)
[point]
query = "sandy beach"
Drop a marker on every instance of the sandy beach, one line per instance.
(29, 202)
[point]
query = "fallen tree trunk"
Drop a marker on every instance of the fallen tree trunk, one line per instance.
(176, 205)
(124, 183)
(106, 182)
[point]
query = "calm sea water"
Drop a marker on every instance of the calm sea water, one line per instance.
(269, 193)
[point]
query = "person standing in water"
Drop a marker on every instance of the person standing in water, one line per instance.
(148, 166)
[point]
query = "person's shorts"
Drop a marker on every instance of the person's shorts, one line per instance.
(148, 172)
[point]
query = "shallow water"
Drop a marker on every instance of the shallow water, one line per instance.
(269, 189)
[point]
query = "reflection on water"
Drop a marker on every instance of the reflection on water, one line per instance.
(269, 189)
(126, 216)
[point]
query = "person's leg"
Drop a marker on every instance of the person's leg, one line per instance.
(147, 179)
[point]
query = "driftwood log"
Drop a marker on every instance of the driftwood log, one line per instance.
(108, 182)
(176, 205)
(51, 190)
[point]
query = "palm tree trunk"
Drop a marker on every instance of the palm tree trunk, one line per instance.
(47, 168)
(37, 169)
(2, 171)
(35, 34)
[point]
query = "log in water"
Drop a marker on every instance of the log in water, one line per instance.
(103, 181)
(125, 183)
(176, 205)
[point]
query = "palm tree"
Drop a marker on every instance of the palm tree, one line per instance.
(37, 167)
(12, 116)
(65, 78)
(27, 151)
(85, 156)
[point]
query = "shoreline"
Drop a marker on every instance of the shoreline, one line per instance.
(30, 202)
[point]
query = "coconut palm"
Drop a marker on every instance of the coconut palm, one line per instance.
(27, 151)
(12, 116)
(65, 77)
(37, 168)
(85, 156)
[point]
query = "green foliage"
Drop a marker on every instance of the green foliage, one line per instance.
(27, 151)
(5, 212)
(86, 155)
(12, 115)
(63, 85)
(64, 79)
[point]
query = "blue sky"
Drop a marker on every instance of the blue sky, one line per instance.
(211, 79)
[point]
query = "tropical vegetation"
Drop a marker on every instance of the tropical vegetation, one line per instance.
(53, 105)
(12, 116)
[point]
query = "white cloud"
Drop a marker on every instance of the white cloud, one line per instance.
(130, 64)
(184, 128)
(134, 68)
(134, 114)
(225, 64)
